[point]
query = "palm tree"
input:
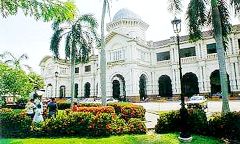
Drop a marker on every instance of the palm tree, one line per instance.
(199, 14)
(80, 36)
(105, 9)
(15, 62)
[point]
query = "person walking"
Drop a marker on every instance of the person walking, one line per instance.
(38, 114)
(52, 108)
(30, 107)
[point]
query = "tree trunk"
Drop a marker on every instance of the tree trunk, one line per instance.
(73, 57)
(216, 21)
(103, 57)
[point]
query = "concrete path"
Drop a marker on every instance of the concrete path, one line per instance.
(151, 120)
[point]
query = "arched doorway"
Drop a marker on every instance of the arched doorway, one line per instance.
(62, 91)
(87, 90)
(143, 87)
(216, 84)
(165, 86)
(118, 87)
(76, 90)
(189, 84)
(49, 90)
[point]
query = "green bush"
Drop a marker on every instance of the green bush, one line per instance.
(14, 124)
(97, 110)
(136, 126)
(168, 122)
(171, 122)
(119, 126)
(101, 125)
(225, 126)
(68, 124)
(63, 106)
(128, 110)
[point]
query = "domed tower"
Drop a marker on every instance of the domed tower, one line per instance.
(128, 23)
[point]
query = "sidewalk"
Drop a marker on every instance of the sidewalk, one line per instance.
(151, 120)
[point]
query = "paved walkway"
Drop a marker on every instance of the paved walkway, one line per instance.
(151, 120)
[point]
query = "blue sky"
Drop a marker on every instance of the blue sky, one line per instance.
(20, 34)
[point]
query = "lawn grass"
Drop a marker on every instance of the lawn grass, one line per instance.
(125, 139)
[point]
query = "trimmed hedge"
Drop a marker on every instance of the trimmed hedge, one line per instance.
(170, 122)
(136, 126)
(129, 110)
(221, 126)
(97, 110)
(14, 124)
(94, 121)
(225, 126)
(63, 106)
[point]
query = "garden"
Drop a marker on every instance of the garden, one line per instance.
(115, 123)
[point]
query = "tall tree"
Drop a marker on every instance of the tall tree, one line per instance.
(80, 36)
(214, 13)
(45, 9)
(15, 62)
(105, 9)
(36, 80)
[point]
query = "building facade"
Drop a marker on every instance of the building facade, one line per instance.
(137, 68)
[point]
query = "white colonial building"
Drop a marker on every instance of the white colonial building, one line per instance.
(136, 66)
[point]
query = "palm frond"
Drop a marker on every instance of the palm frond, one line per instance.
(90, 20)
(236, 5)
(225, 21)
(175, 6)
(23, 57)
(55, 42)
(196, 18)
(9, 62)
(68, 45)
(109, 8)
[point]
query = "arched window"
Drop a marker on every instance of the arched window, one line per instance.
(62, 91)
(87, 90)
(76, 90)
(143, 87)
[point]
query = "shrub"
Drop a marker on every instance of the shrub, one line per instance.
(168, 122)
(119, 126)
(101, 125)
(71, 124)
(97, 110)
(225, 126)
(14, 124)
(128, 110)
(171, 122)
(89, 104)
(63, 106)
(136, 126)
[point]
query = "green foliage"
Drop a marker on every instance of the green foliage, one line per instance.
(226, 126)
(97, 110)
(14, 124)
(45, 9)
(128, 110)
(15, 82)
(63, 105)
(170, 122)
(36, 80)
(136, 126)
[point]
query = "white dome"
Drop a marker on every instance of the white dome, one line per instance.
(126, 14)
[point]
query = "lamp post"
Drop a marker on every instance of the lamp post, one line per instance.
(184, 129)
(56, 76)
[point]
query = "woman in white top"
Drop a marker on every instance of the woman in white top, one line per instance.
(38, 114)
(30, 106)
